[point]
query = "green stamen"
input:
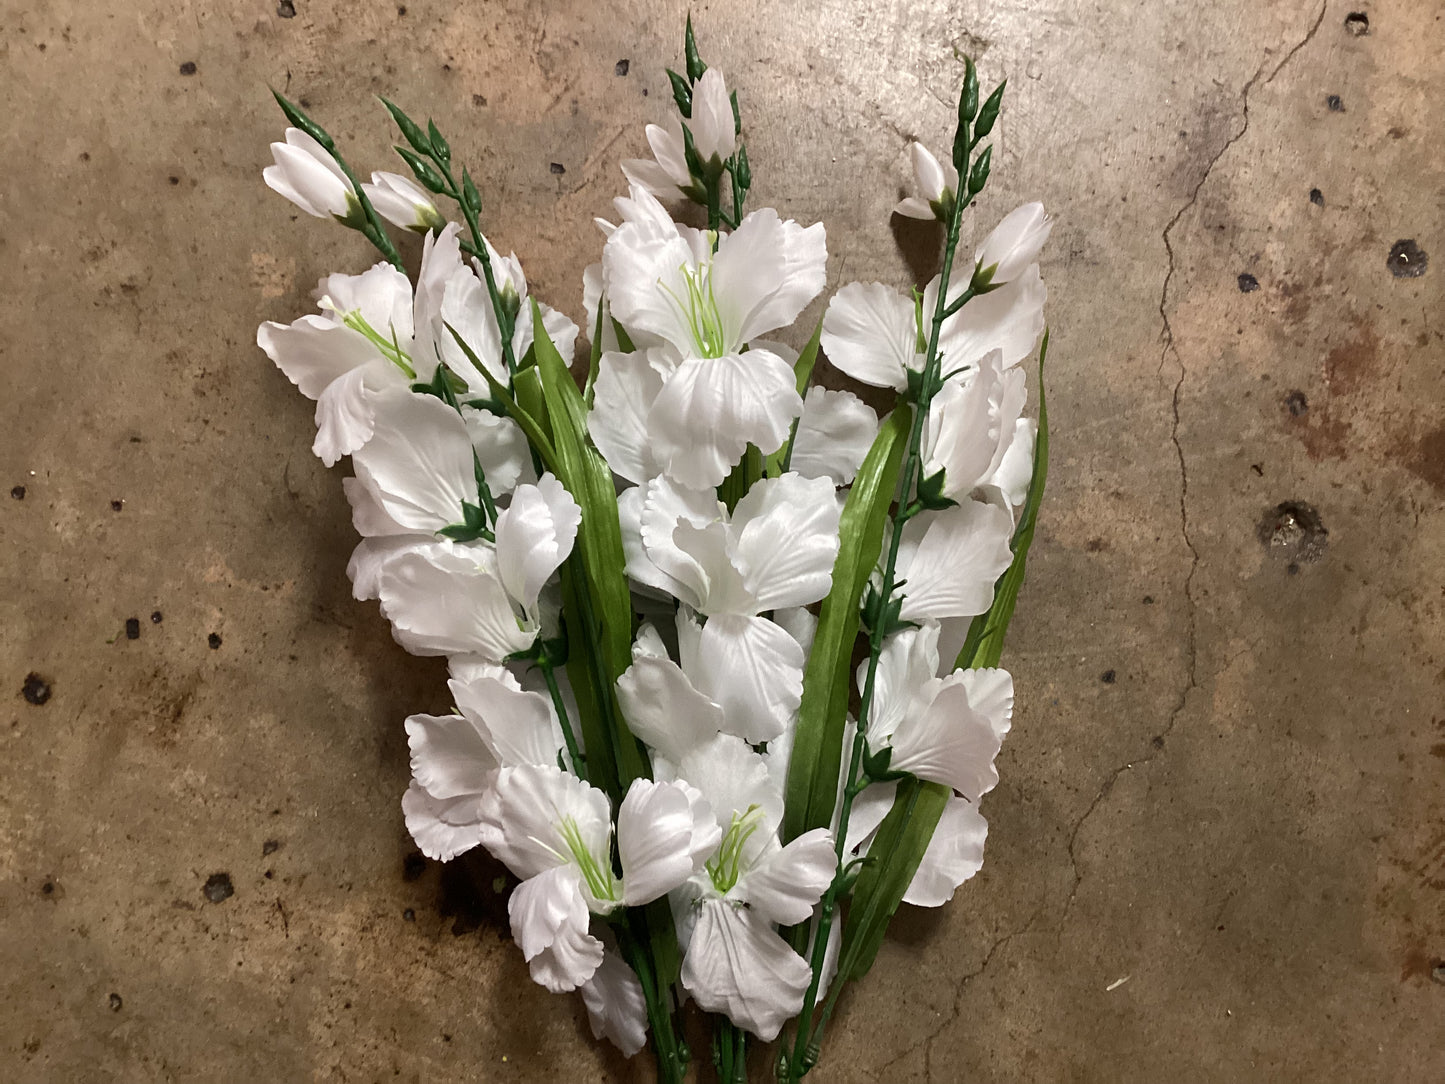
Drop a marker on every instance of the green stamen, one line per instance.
(699, 310)
(725, 869)
(600, 881)
(390, 348)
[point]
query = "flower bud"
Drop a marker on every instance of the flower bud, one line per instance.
(402, 203)
(310, 178)
(1014, 244)
(937, 184)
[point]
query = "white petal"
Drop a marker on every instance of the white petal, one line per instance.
(736, 964)
(549, 924)
(665, 832)
(913, 207)
(784, 886)
(306, 175)
(372, 555)
(442, 601)
(870, 333)
(521, 812)
(954, 854)
(869, 809)
(518, 727)
(733, 778)
(381, 294)
(663, 709)
(501, 448)
(560, 329)
(1016, 467)
(765, 273)
(835, 431)
(711, 409)
(800, 623)
(534, 536)
(642, 267)
(931, 181)
(314, 351)
(713, 126)
(442, 828)
(786, 532)
(684, 538)
(991, 694)
(950, 742)
(1009, 319)
(345, 418)
(907, 662)
(957, 437)
(616, 1007)
(418, 461)
(401, 202)
(1015, 242)
(448, 756)
(950, 570)
(751, 668)
(626, 387)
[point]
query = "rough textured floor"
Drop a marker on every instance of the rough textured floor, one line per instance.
(1218, 850)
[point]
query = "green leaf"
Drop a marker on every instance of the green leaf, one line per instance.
(605, 595)
(594, 355)
(531, 427)
(425, 172)
(681, 93)
(778, 462)
(300, 120)
(741, 478)
(989, 113)
(978, 175)
(984, 645)
(812, 786)
(410, 130)
(695, 66)
(441, 150)
(897, 850)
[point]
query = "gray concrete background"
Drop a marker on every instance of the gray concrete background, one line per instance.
(1225, 781)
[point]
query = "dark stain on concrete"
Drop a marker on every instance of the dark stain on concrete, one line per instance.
(1426, 458)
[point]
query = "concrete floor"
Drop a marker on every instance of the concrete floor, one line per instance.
(1218, 851)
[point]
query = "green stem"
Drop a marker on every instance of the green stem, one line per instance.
(671, 1064)
(574, 752)
(805, 1044)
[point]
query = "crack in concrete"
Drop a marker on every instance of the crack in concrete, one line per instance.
(963, 981)
(1167, 335)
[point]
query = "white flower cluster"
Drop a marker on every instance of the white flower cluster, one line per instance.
(732, 477)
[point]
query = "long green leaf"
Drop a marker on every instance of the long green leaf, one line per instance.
(812, 787)
(531, 427)
(905, 833)
(605, 595)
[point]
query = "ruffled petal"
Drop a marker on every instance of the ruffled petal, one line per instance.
(534, 536)
(442, 601)
(616, 1007)
(711, 409)
(549, 923)
(835, 431)
(737, 964)
(950, 742)
(624, 392)
(518, 727)
(906, 664)
(954, 854)
(733, 778)
(665, 832)
(753, 670)
(784, 886)
(870, 333)
(314, 351)
(345, 418)
(442, 828)
(418, 461)
(765, 273)
(1015, 243)
(448, 756)
(1009, 320)
(663, 709)
(786, 532)
(521, 811)
(952, 559)
(501, 448)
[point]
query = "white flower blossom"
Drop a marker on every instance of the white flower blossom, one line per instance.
(937, 186)
(1013, 246)
(403, 203)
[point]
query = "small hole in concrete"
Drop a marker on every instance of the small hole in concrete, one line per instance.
(1334, 103)
(116, 1002)
(18, 492)
(557, 168)
(1296, 403)
(622, 67)
(218, 887)
(1407, 260)
(132, 628)
(214, 641)
(36, 689)
(1293, 530)
(188, 68)
(1357, 23)
(1248, 283)
(1317, 197)
(1108, 677)
(286, 9)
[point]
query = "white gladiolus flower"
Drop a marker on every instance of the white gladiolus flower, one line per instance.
(775, 550)
(948, 561)
(454, 758)
(714, 128)
(937, 186)
(714, 137)
(1014, 244)
(735, 962)
(971, 425)
(403, 203)
(665, 175)
(555, 833)
(310, 178)
(360, 346)
(667, 287)
(947, 730)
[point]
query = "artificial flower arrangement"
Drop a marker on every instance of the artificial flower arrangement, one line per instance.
(723, 643)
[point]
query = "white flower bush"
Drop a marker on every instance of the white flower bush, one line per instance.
(654, 585)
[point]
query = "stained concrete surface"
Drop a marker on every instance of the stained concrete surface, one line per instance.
(1218, 849)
